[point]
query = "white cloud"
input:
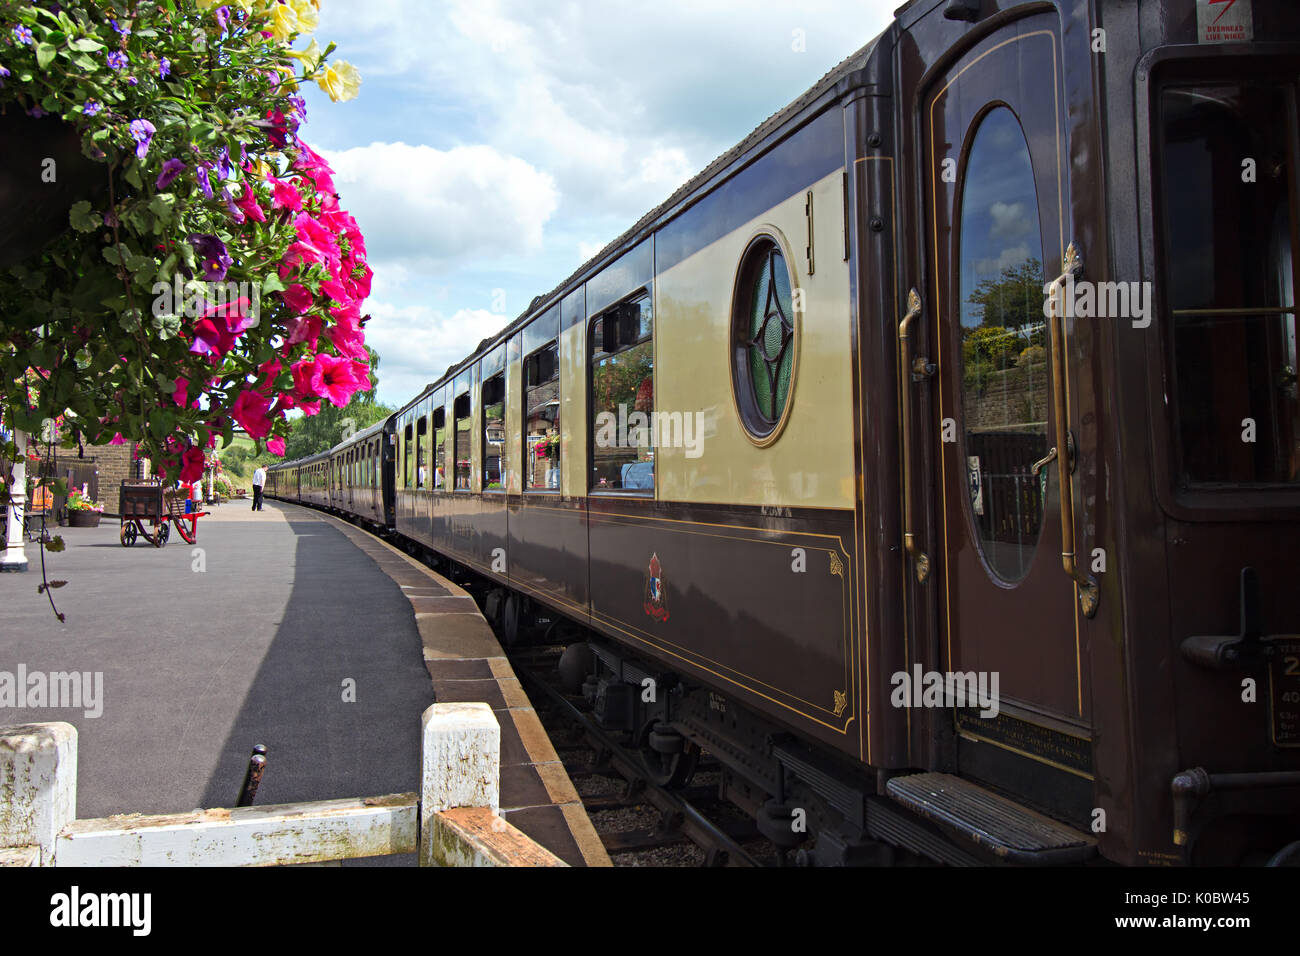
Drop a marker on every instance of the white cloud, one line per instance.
(1006, 259)
(417, 343)
(1010, 220)
(420, 204)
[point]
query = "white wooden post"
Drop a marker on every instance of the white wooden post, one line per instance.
(460, 764)
(38, 785)
(14, 559)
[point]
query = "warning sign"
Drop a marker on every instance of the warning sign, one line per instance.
(1224, 21)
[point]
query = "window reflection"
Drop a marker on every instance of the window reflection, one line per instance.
(542, 419)
(1003, 345)
(622, 398)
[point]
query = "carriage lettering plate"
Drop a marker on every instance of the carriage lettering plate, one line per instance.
(1284, 692)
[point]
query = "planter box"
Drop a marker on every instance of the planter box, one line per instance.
(83, 519)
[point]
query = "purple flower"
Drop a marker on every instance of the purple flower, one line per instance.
(132, 81)
(90, 107)
(223, 18)
(3, 74)
(36, 112)
(235, 212)
(164, 68)
(142, 132)
(117, 60)
(223, 163)
(205, 184)
(119, 28)
(171, 169)
(24, 35)
(213, 258)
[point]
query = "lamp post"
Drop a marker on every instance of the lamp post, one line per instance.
(13, 558)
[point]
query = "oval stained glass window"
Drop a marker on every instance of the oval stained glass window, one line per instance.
(1004, 384)
(763, 339)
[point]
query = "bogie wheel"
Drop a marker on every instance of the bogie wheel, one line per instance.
(672, 771)
(161, 535)
(128, 534)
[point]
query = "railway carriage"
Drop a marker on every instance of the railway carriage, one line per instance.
(933, 456)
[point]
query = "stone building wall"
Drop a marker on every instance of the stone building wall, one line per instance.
(1017, 394)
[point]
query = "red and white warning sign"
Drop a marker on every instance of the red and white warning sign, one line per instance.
(1224, 21)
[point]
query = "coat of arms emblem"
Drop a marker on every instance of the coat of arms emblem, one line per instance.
(656, 591)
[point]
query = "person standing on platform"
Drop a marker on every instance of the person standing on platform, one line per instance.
(259, 479)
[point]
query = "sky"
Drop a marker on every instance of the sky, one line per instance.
(496, 145)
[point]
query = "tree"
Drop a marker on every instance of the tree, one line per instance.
(1014, 300)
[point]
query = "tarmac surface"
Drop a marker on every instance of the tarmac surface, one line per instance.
(281, 627)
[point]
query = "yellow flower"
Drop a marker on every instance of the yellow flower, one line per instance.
(308, 18)
(341, 81)
(284, 21)
(310, 57)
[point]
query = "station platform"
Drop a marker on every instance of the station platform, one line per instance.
(285, 627)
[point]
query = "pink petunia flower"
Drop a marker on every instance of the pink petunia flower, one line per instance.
(298, 298)
(250, 411)
(333, 378)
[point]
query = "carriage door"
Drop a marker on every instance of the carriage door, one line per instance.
(994, 137)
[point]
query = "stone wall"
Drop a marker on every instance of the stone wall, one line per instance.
(1013, 396)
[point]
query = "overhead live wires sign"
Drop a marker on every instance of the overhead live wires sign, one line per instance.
(1224, 21)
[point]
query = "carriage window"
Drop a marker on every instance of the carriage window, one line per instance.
(1230, 266)
(1003, 356)
(542, 419)
(622, 398)
(461, 443)
(408, 463)
(421, 452)
(440, 448)
(494, 431)
(763, 344)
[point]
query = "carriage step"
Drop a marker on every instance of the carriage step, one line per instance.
(1005, 828)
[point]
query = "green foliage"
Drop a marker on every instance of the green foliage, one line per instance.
(1013, 300)
(86, 335)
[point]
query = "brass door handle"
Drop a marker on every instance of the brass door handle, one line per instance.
(1042, 463)
(1088, 591)
(920, 559)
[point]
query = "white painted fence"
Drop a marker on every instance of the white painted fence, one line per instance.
(454, 821)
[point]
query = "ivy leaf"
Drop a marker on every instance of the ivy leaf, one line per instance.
(45, 54)
(133, 175)
(87, 45)
(130, 321)
(56, 544)
(272, 283)
(82, 218)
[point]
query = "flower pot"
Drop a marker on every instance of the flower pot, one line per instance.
(83, 519)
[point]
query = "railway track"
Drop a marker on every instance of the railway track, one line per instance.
(640, 823)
